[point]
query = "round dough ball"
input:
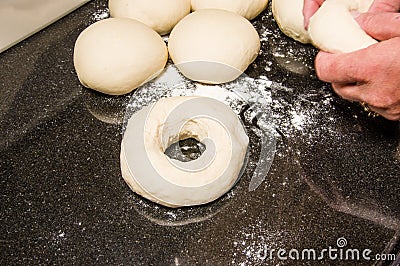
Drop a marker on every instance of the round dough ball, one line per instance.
(213, 46)
(117, 55)
(160, 15)
(246, 8)
(149, 132)
(289, 17)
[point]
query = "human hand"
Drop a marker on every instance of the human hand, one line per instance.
(370, 75)
(379, 6)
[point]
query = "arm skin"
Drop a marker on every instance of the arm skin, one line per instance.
(370, 75)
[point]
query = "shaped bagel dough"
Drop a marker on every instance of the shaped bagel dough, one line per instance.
(213, 46)
(246, 8)
(332, 28)
(150, 131)
(160, 15)
(117, 55)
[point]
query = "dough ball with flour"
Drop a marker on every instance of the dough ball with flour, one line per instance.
(160, 15)
(289, 17)
(332, 28)
(246, 8)
(213, 46)
(117, 55)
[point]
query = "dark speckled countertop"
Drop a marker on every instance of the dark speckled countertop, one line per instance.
(334, 179)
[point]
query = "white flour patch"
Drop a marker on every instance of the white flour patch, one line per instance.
(101, 14)
(250, 245)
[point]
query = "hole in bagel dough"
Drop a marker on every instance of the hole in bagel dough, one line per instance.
(186, 149)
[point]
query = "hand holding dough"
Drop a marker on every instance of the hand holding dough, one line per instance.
(332, 28)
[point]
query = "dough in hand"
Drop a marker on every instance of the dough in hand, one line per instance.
(117, 55)
(213, 46)
(246, 8)
(332, 28)
(160, 15)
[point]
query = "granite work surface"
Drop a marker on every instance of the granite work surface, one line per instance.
(333, 184)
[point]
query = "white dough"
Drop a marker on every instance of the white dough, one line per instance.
(117, 55)
(332, 28)
(246, 8)
(160, 15)
(289, 17)
(213, 46)
(150, 131)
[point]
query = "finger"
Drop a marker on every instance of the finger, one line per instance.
(309, 9)
(385, 6)
(381, 26)
(340, 67)
(348, 91)
(390, 114)
(355, 93)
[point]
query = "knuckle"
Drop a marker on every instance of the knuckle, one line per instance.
(382, 102)
(342, 92)
(393, 117)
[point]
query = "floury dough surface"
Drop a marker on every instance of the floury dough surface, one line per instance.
(150, 131)
(213, 46)
(246, 8)
(117, 55)
(332, 28)
(288, 14)
(160, 15)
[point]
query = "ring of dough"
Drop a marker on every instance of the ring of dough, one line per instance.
(332, 28)
(150, 131)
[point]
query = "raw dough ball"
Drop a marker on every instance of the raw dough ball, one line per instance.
(155, 176)
(289, 17)
(332, 28)
(160, 15)
(213, 46)
(117, 55)
(246, 8)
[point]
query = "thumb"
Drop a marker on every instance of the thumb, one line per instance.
(381, 26)
(339, 67)
(379, 6)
